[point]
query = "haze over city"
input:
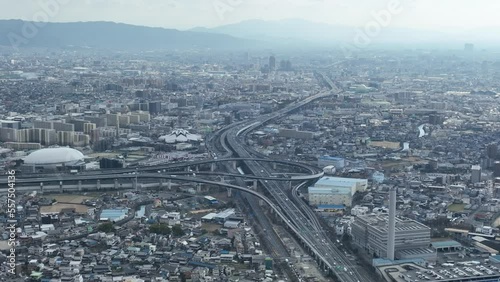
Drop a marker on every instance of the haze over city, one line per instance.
(186, 14)
(249, 140)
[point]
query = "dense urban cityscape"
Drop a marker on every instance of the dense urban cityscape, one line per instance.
(249, 164)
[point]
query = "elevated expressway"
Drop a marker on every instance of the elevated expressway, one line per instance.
(299, 216)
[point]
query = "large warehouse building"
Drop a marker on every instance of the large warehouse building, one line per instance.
(335, 191)
(412, 239)
(53, 159)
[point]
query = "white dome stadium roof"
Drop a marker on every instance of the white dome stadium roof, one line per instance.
(54, 156)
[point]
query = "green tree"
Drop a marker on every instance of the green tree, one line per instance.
(177, 230)
(160, 228)
(106, 227)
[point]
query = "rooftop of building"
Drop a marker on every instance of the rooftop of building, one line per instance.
(339, 181)
(446, 244)
(225, 213)
(467, 265)
(380, 221)
(113, 214)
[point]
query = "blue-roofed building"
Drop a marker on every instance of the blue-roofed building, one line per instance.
(495, 259)
(113, 214)
(337, 162)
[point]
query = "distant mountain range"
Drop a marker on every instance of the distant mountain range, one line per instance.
(283, 30)
(114, 36)
(307, 32)
(244, 35)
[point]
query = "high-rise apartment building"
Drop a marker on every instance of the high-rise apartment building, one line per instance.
(272, 63)
(475, 174)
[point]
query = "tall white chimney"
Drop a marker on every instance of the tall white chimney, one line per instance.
(392, 224)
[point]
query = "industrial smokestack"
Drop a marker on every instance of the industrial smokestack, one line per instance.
(392, 224)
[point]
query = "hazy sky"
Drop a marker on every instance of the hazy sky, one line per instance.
(183, 14)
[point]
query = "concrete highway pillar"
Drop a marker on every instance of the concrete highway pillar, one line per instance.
(234, 164)
(161, 183)
(261, 203)
(61, 186)
(98, 184)
(212, 167)
(169, 184)
(222, 179)
(134, 183)
(274, 166)
(198, 188)
(255, 184)
(116, 184)
(229, 192)
(41, 187)
(197, 168)
(188, 168)
(79, 185)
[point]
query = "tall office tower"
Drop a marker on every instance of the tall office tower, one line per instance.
(475, 176)
(154, 108)
(272, 63)
(491, 151)
(391, 236)
(469, 51)
(496, 169)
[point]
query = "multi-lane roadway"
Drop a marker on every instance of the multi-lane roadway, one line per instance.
(299, 216)
(295, 213)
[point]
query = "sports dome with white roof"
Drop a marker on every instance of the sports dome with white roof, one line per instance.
(62, 155)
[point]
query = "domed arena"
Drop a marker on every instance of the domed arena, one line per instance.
(54, 159)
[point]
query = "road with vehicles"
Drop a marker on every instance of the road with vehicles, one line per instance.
(299, 216)
(230, 149)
